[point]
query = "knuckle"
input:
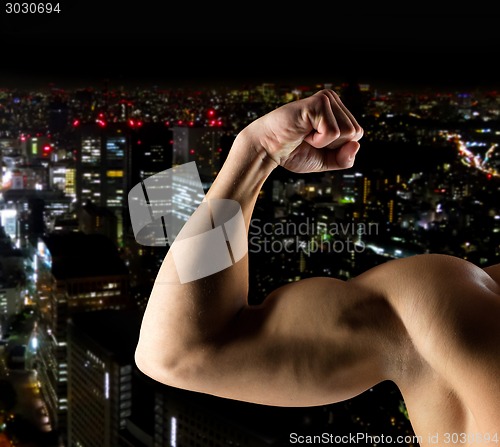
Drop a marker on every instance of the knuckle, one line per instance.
(359, 132)
(350, 131)
(335, 133)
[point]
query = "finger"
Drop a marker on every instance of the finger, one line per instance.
(349, 127)
(359, 129)
(332, 126)
(343, 158)
(310, 159)
(322, 120)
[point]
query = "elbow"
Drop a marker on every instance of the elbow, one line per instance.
(154, 363)
(183, 370)
(145, 363)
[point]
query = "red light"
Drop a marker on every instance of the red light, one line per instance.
(211, 112)
(46, 150)
(191, 151)
(76, 123)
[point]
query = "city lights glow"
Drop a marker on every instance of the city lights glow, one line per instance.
(106, 385)
(470, 158)
(173, 431)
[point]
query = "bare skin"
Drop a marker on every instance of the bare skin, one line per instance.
(429, 323)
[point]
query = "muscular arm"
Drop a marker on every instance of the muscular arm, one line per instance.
(203, 336)
(318, 340)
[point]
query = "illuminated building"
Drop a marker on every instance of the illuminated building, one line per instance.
(33, 209)
(35, 149)
(151, 151)
(184, 419)
(350, 187)
(8, 221)
(75, 272)
(100, 364)
(199, 144)
(63, 177)
(102, 168)
(10, 301)
(11, 276)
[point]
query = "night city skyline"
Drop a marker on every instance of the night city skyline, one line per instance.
(85, 116)
(446, 177)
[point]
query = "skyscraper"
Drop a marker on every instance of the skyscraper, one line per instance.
(102, 168)
(75, 272)
(100, 364)
(151, 145)
(199, 144)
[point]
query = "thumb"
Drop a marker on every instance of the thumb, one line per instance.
(345, 155)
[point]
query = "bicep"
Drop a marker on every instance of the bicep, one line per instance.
(309, 343)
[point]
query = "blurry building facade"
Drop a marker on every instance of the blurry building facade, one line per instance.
(103, 166)
(100, 363)
(75, 272)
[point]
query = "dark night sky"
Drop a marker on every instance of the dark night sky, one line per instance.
(217, 44)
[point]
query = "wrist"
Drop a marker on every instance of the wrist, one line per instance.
(244, 171)
(249, 148)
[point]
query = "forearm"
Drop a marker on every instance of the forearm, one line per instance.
(243, 173)
(239, 180)
(187, 314)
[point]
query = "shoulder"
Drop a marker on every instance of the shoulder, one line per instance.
(429, 274)
(435, 288)
(449, 306)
